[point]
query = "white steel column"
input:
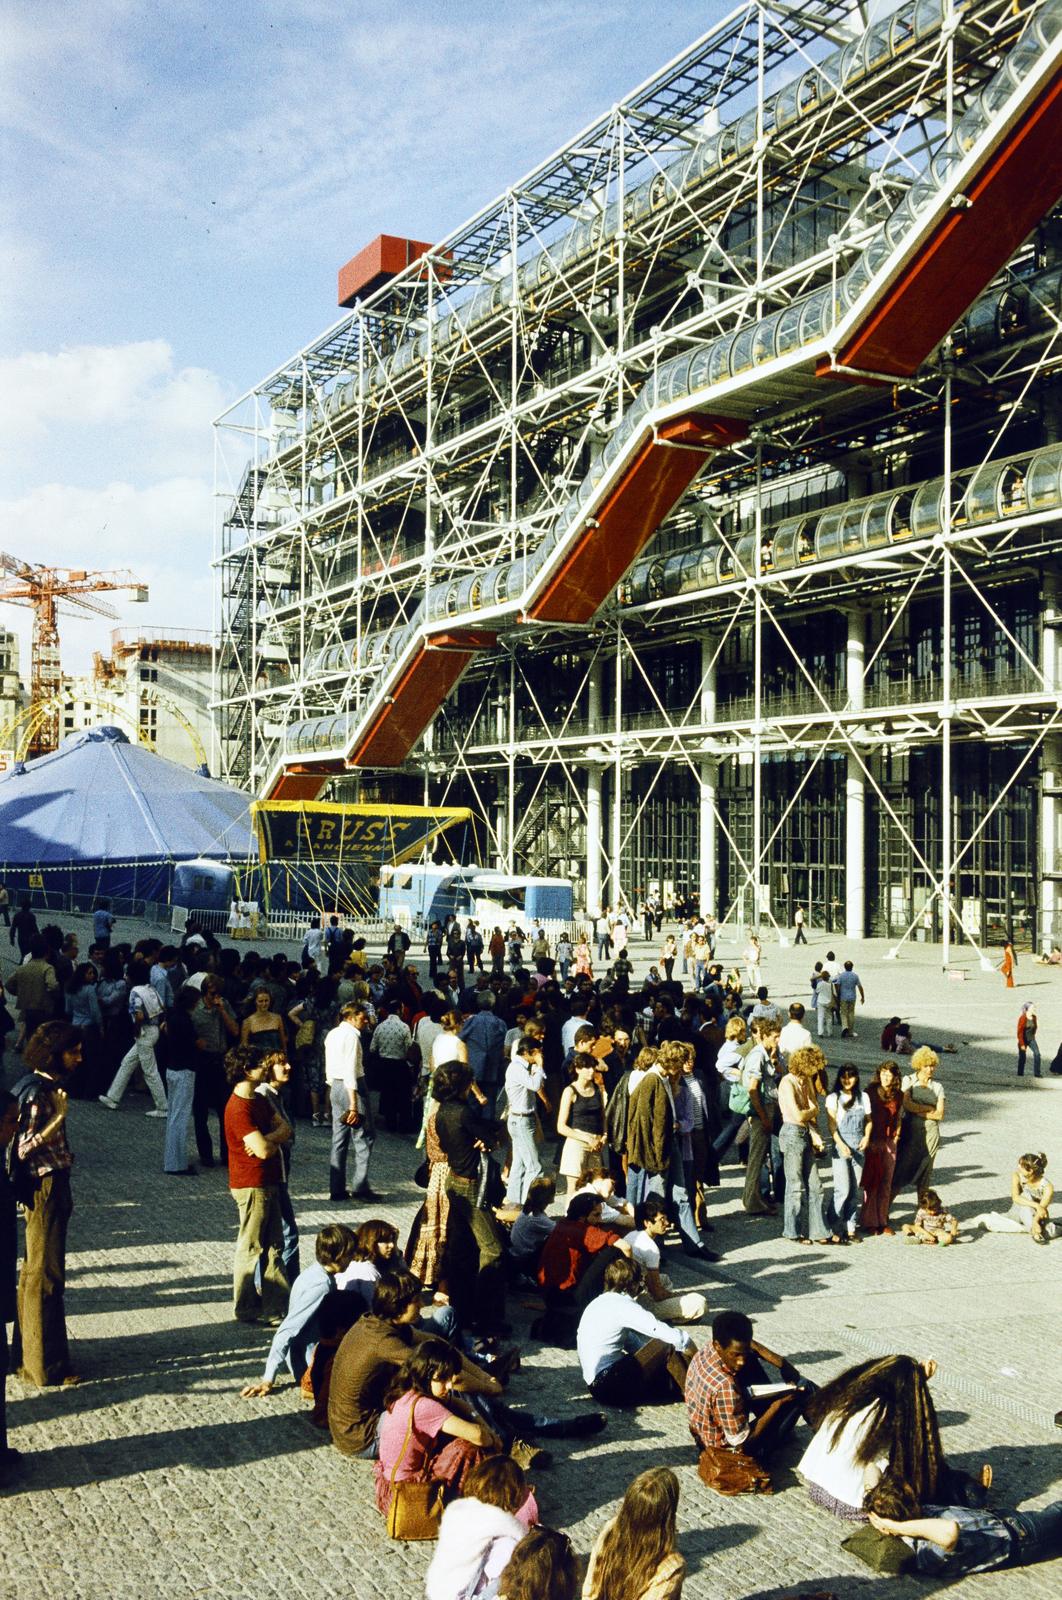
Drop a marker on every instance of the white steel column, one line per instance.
(1050, 775)
(708, 775)
(855, 787)
(947, 847)
(501, 808)
(616, 879)
(593, 796)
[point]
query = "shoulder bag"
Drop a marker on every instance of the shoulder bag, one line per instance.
(415, 1507)
(882, 1551)
(733, 1472)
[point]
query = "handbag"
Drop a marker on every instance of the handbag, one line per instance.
(732, 1472)
(422, 1176)
(491, 1190)
(304, 1034)
(738, 1098)
(415, 1507)
(882, 1551)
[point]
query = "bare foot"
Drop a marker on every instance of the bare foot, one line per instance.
(986, 1476)
(929, 1367)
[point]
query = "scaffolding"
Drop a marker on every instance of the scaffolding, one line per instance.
(693, 513)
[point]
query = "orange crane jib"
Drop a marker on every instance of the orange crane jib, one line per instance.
(46, 589)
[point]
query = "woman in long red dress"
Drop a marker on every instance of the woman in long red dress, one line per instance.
(1008, 964)
(886, 1114)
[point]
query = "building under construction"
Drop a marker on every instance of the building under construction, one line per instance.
(693, 513)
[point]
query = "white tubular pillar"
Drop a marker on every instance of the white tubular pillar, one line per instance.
(708, 775)
(855, 788)
(1050, 775)
(501, 808)
(501, 817)
(593, 797)
(616, 875)
(708, 778)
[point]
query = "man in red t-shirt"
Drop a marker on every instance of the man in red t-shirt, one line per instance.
(253, 1135)
(574, 1257)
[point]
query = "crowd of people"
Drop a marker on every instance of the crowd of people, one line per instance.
(514, 1077)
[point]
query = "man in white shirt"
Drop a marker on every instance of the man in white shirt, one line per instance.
(628, 1356)
(351, 1111)
(392, 1045)
(576, 1021)
(763, 1006)
(794, 1036)
(524, 1077)
(658, 1295)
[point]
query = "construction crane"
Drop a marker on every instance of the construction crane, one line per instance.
(49, 590)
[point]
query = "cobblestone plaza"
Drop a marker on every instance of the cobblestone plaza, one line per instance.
(154, 1478)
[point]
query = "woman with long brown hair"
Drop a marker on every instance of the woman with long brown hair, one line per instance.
(634, 1556)
(542, 1567)
(886, 1113)
(874, 1418)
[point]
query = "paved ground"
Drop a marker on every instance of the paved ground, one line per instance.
(155, 1479)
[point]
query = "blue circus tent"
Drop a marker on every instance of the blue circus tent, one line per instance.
(102, 816)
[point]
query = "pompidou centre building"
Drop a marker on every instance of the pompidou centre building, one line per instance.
(693, 513)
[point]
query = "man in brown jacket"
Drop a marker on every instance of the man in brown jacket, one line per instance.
(651, 1128)
(370, 1353)
(36, 989)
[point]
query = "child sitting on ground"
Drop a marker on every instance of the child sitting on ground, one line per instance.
(1030, 1196)
(932, 1224)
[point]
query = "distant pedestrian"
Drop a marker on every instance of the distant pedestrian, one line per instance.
(5, 903)
(847, 986)
(1027, 1044)
(1008, 966)
(23, 928)
(752, 957)
(102, 924)
(798, 926)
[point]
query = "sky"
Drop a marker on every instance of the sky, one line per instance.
(179, 185)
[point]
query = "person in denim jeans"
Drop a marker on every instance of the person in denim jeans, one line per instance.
(801, 1144)
(948, 1541)
(848, 1110)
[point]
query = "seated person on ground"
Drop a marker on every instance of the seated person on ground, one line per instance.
(479, 1532)
(723, 1408)
(615, 1213)
(374, 1348)
(628, 1356)
(576, 1254)
(533, 1227)
(424, 1435)
(659, 1294)
(932, 1224)
(294, 1341)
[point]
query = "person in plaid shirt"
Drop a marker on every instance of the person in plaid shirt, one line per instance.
(43, 1162)
(722, 1413)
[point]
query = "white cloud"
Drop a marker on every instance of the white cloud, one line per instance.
(127, 403)
(161, 533)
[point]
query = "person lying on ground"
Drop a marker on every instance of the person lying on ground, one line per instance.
(948, 1541)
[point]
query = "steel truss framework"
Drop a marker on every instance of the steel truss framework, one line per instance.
(438, 431)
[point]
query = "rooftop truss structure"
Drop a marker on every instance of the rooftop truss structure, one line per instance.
(773, 340)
